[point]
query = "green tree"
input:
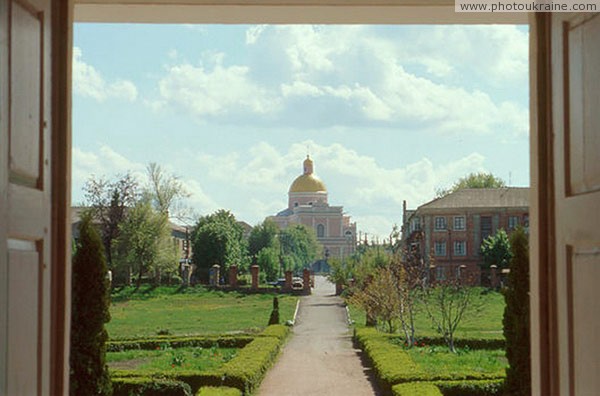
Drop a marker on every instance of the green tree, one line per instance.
(142, 244)
(473, 180)
(262, 236)
(109, 202)
(89, 313)
(218, 239)
(299, 244)
(268, 262)
(495, 250)
(516, 318)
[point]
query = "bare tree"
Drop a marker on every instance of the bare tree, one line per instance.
(165, 190)
(446, 305)
(109, 201)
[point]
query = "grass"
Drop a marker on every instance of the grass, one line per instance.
(201, 359)
(438, 361)
(176, 311)
(483, 320)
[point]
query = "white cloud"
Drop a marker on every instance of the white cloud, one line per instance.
(253, 33)
(88, 82)
(214, 90)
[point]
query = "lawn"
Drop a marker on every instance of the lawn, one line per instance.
(171, 310)
(167, 359)
(438, 361)
(483, 320)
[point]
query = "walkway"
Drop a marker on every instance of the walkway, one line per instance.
(319, 359)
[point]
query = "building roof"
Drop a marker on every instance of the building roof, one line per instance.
(307, 182)
(506, 197)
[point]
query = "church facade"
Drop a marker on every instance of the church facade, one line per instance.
(308, 205)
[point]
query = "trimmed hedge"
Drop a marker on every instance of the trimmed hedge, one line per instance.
(179, 342)
(494, 387)
(244, 372)
(219, 391)
(472, 343)
(450, 388)
(393, 365)
(416, 389)
(278, 331)
(145, 386)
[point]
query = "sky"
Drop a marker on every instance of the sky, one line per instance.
(388, 113)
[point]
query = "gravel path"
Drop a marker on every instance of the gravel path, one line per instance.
(319, 359)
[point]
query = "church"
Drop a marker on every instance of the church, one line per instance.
(308, 204)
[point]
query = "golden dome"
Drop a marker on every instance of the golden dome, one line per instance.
(307, 183)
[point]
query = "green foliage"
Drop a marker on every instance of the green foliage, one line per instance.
(274, 318)
(495, 250)
(381, 297)
(268, 262)
(516, 317)
(491, 387)
(278, 331)
(392, 365)
(219, 391)
(148, 386)
(416, 389)
(153, 343)
(249, 367)
(300, 247)
(144, 242)
(218, 239)
(263, 236)
(90, 311)
(473, 180)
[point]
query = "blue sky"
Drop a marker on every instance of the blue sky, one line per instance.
(388, 113)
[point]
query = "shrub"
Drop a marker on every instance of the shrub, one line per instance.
(138, 386)
(219, 391)
(278, 331)
(179, 342)
(460, 343)
(274, 319)
(90, 311)
(492, 387)
(416, 389)
(516, 318)
(392, 365)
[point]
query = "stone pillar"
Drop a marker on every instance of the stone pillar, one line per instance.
(306, 280)
(494, 276)
(214, 275)
(338, 288)
(233, 272)
(288, 281)
(254, 273)
(432, 275)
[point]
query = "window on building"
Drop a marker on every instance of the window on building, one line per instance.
(320, 231)
(440, 223)
(486, 227)
(526, 221)
(460, 248)
(440, 273)
(440, 248)
(513, 222)
(295, 204)
(459, 223)
(415, 225)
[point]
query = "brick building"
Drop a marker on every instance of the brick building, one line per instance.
(447, 232)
